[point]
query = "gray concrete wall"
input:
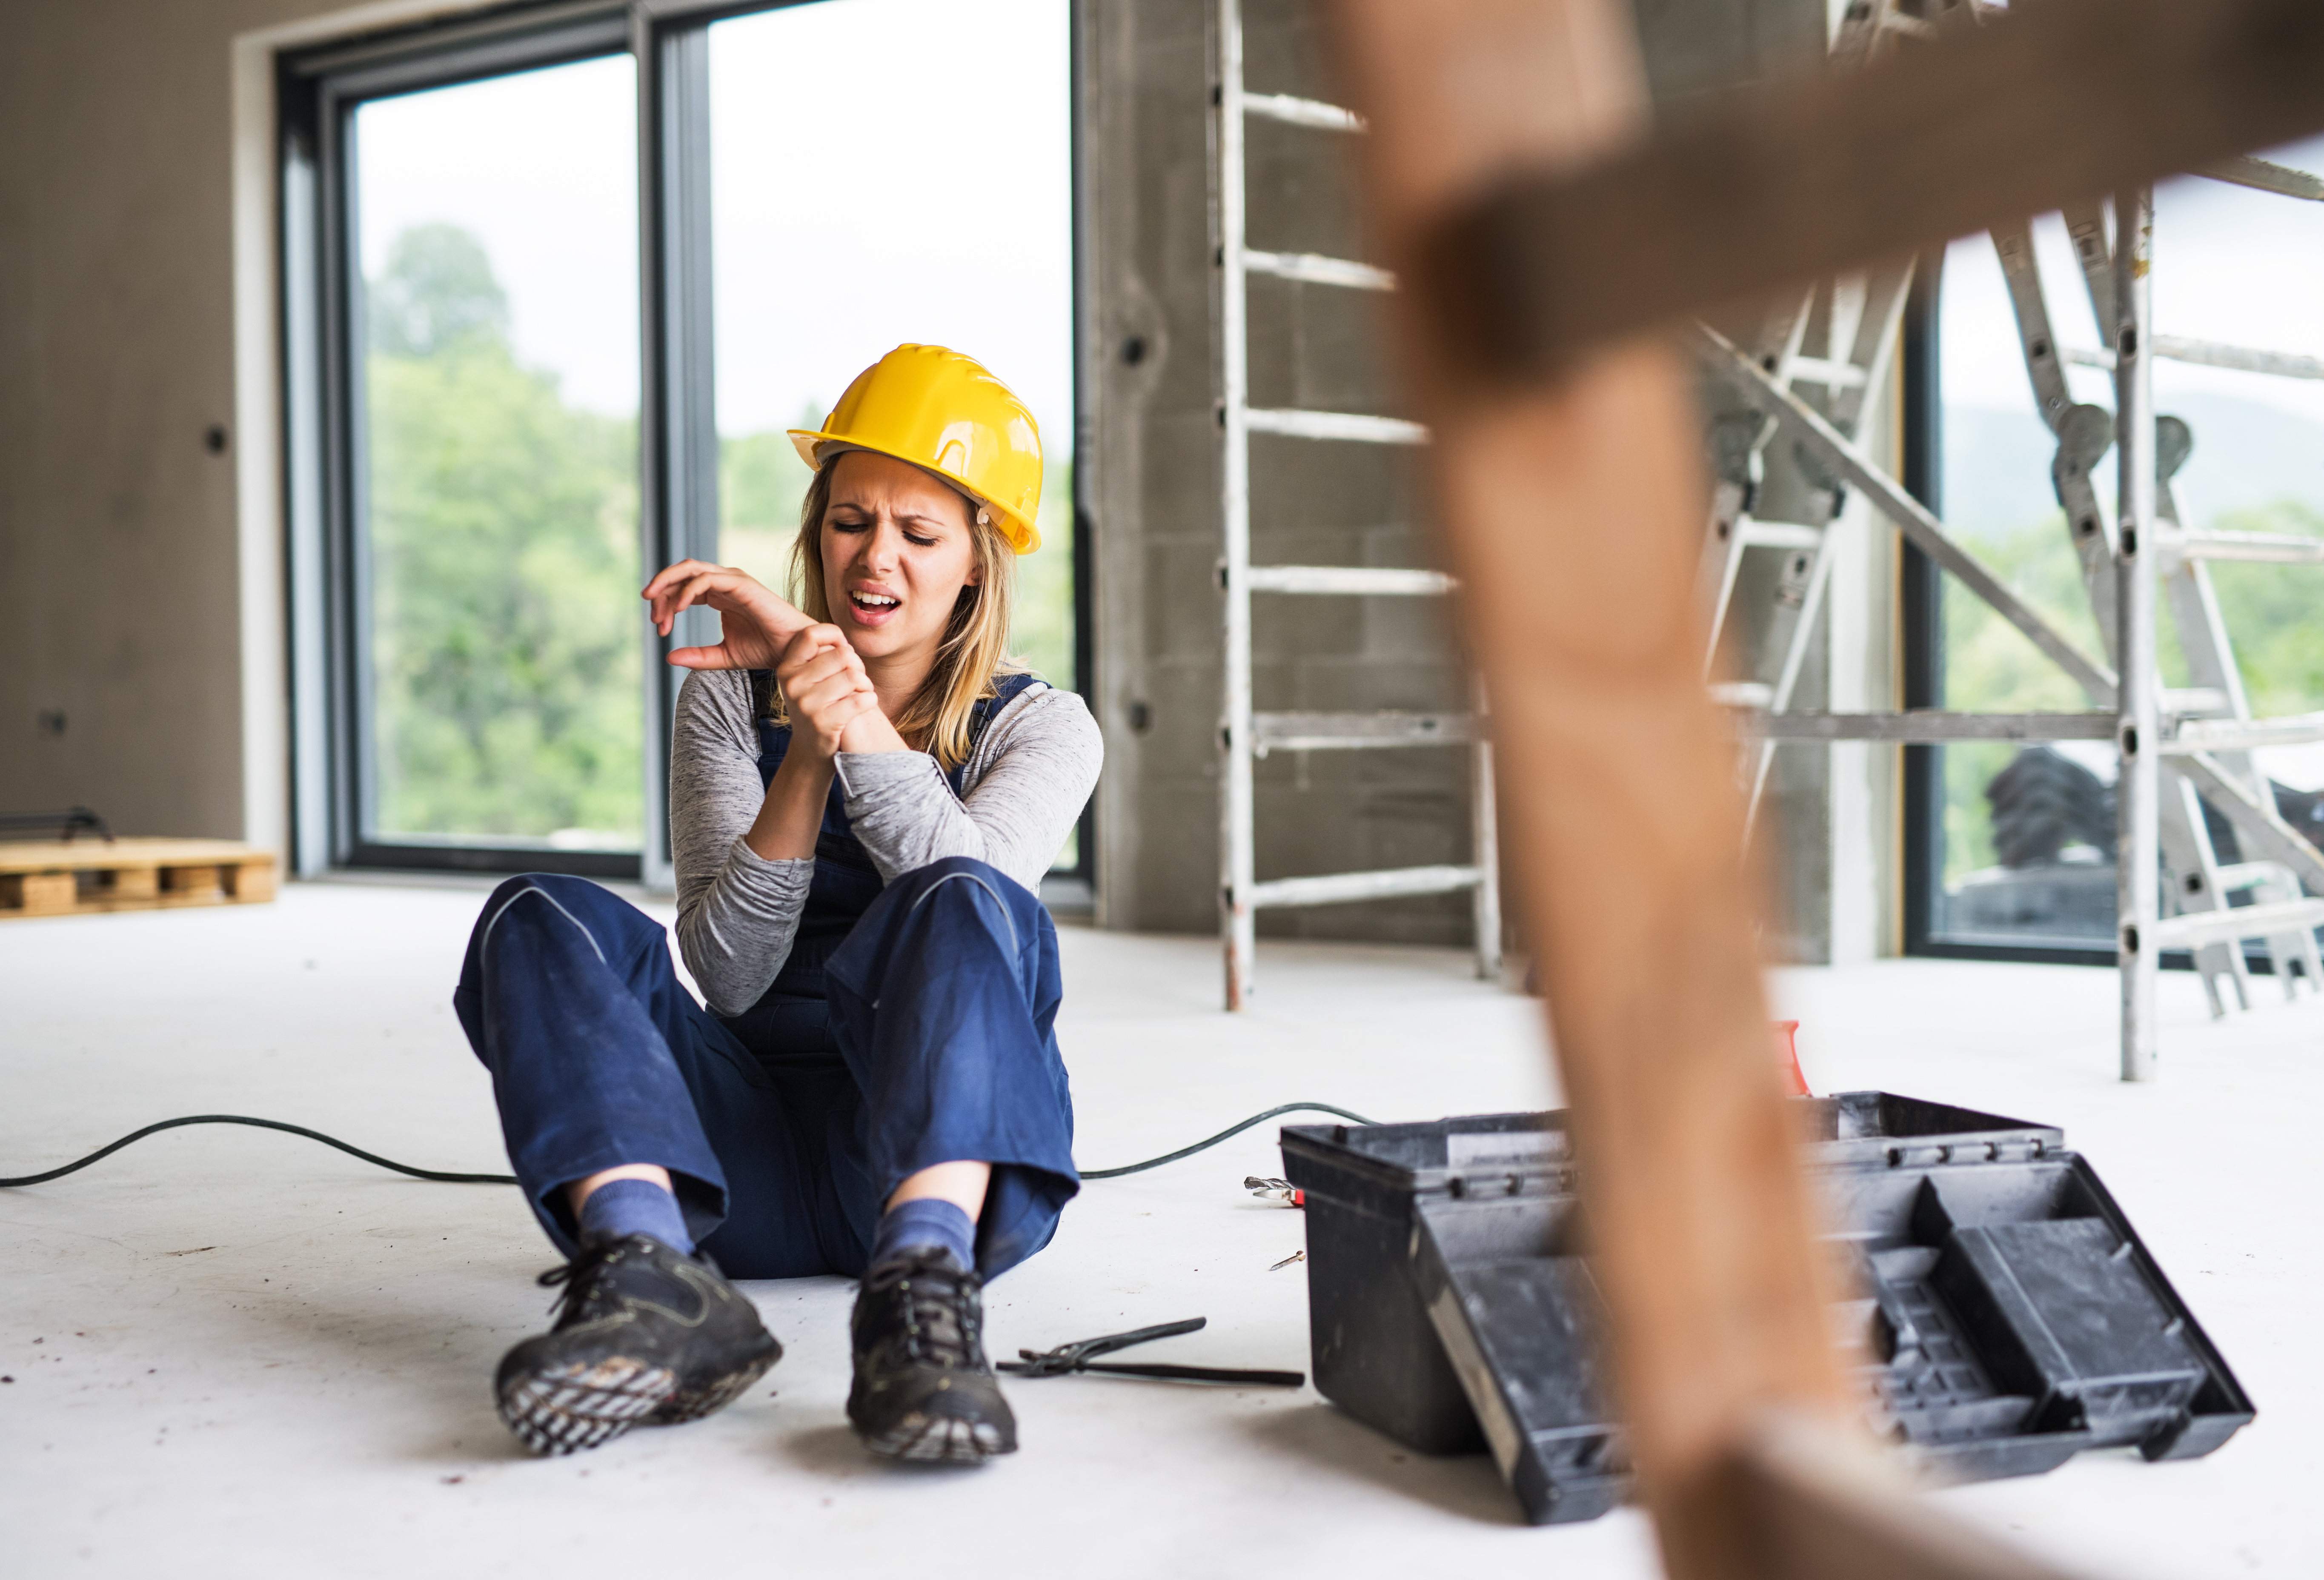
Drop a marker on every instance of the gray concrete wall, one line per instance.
(1156, 509)
(119, 669)
(128, 607)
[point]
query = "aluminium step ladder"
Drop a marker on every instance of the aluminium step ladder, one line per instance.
(1855, 317)
(2206, 730)
(2201, 889)
(1854, 320)
(1246, 735)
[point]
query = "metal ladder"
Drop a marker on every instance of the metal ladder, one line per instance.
(1856, 318)
(2201, 888)
(2204, 734)
(1246, 735)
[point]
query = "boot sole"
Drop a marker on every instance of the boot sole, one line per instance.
(923, 1440)
(567, 1409)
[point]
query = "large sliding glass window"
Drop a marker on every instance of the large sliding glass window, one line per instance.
(2020, 841)
(495, 455)
(885, 172)
(556, 281)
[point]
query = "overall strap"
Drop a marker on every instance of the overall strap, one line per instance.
(1005, 689)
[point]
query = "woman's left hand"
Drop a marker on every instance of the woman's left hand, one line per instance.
(825, 687)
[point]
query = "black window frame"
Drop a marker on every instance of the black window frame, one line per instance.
(318, 90)
(1922, 594)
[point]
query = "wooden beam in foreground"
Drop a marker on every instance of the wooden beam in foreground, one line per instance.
(1571, 512)
(2063, 100)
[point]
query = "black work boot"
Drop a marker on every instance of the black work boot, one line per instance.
(923, 1391)
(645, 1336)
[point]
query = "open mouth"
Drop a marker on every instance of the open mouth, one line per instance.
(871, 602)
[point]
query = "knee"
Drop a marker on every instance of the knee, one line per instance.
(963, 890)
(502, 910)
(561, 885)
(960, 879)
(532, 901)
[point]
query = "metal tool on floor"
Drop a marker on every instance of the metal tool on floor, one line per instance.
(1079, 1357)
(1281, 1190)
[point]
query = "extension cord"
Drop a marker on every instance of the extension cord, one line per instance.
(353, 1151)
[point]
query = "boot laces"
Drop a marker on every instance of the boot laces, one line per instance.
(578, 1277)
(941, 1315)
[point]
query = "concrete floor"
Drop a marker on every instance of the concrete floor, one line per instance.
(241, 1353)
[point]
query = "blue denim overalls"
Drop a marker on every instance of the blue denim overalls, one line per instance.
(912, 1024)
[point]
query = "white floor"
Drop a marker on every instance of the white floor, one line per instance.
(234, 1352)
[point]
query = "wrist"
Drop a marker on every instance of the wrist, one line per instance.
(777, 621)
(871, 731)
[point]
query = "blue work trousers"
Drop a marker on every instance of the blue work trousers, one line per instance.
(784, 1132)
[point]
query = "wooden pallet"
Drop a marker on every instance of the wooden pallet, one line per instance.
(89, 876)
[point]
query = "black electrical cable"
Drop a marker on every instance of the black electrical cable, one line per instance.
(1222, 1135)
(296, 1129)
(316, 1135)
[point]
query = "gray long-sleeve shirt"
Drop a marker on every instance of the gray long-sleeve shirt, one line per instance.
(737, 912)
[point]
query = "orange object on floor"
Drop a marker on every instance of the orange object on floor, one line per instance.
(1788, 1057)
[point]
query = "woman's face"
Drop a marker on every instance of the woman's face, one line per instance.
(897, 549)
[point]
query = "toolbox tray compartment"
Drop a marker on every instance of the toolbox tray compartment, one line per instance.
(2001, 1316)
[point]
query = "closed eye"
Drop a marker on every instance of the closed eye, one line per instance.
(852, 525)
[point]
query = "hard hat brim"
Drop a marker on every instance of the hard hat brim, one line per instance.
(1023, 536)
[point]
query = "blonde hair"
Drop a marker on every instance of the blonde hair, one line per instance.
(976, 645)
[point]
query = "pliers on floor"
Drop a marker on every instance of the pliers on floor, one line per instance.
(1077, 1357)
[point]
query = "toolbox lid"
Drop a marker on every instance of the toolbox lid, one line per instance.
(1846, 1130)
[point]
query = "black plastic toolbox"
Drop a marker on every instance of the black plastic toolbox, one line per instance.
(2003, 1314)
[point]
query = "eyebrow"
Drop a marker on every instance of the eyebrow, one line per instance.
(901, 515)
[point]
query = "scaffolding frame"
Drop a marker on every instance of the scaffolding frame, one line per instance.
(1245, 734)
(2177, 748)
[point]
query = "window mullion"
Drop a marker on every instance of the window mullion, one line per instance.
(677, 451)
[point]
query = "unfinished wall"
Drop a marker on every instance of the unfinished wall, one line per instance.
(1152, 371)
(1155, 511)
(120, 667)
(118, 672)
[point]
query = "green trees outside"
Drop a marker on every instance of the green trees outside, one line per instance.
(504, 616)
(2271, 614)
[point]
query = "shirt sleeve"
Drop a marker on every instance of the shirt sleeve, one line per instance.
(1028, 779)
(737, 911)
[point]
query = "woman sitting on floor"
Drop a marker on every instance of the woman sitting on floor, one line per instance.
(863, 796)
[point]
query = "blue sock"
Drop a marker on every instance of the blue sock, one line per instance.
(634, 1206)
(926, 1221)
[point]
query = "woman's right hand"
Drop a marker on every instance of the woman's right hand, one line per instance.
(825, 688)
(755, 624)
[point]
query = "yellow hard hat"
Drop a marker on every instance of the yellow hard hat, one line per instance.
(940, 410)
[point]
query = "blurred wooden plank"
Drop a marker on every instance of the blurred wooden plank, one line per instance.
(2065, 100)
(77, 855)
(189, 883)
(86, 876)
(1821, 1509)
(37, 893)
(1571, 514)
